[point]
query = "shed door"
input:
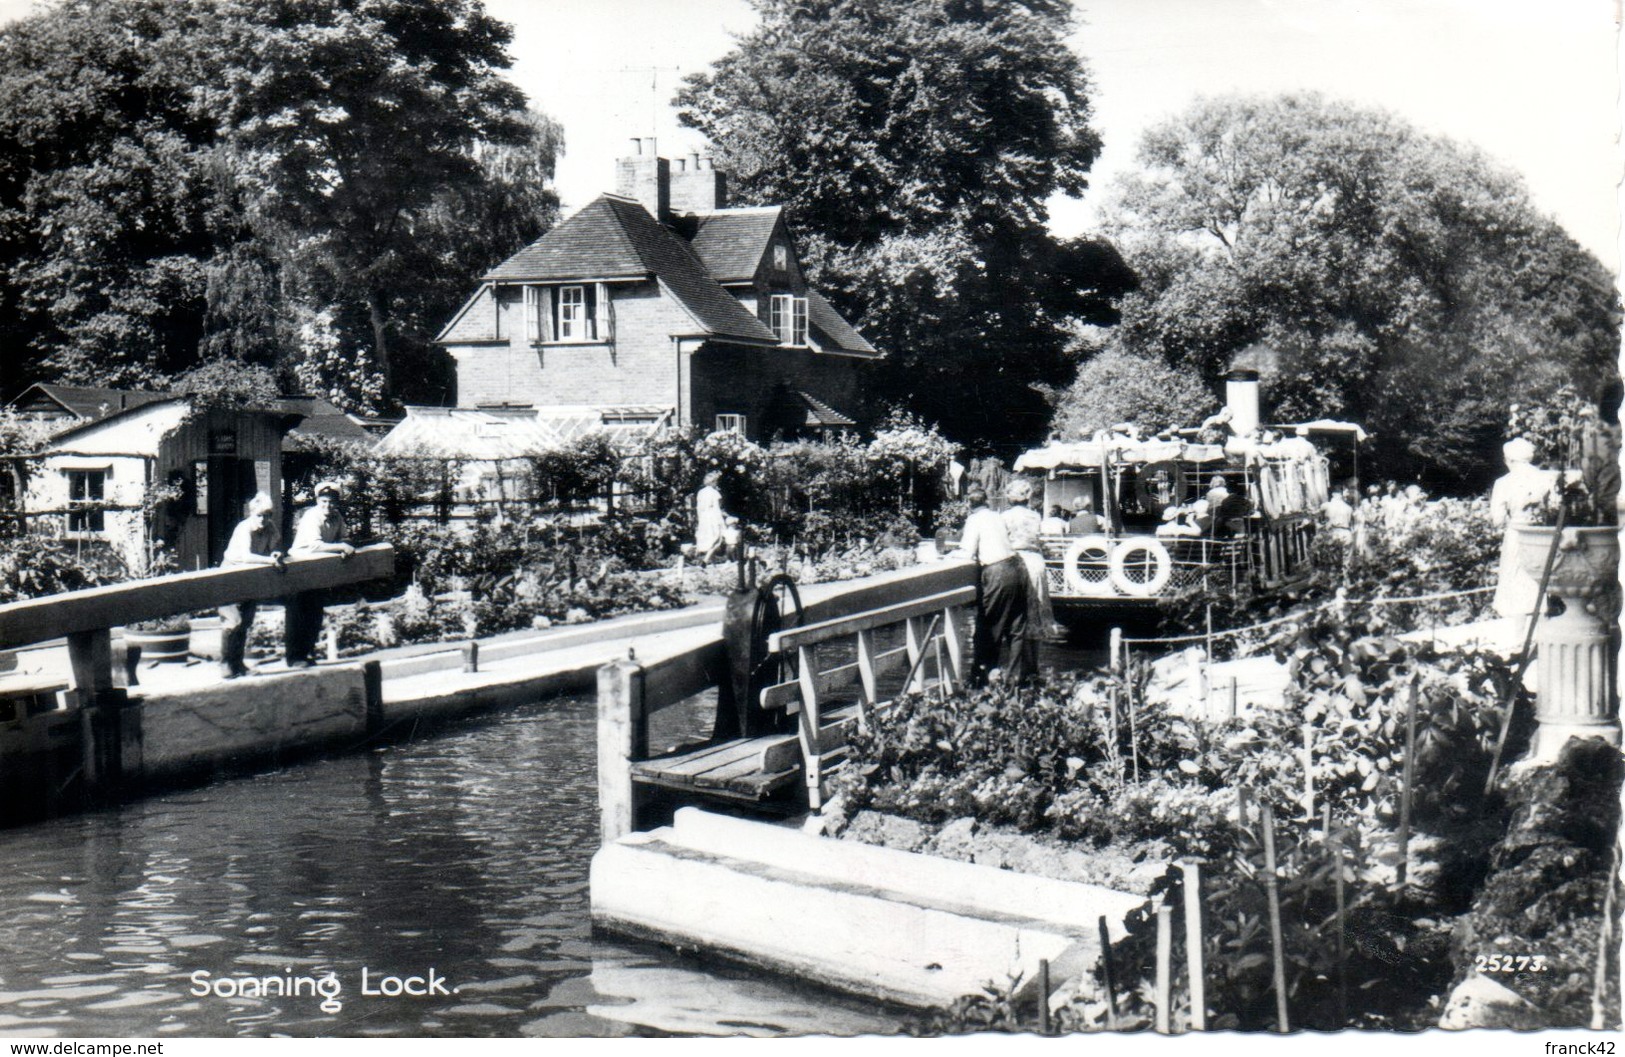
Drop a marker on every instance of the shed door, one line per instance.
(231, 485)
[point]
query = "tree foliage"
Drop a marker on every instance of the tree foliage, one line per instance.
(915, 144)
(185, 181)
(1396, 278)
(1118, 386)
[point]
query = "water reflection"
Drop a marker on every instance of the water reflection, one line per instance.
(465, 853)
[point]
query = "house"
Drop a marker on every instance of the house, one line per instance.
(659, 303)
(123, 470)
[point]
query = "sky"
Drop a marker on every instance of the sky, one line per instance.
(1533, 83)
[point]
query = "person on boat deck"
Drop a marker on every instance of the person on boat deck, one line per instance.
(1084, 522)
(255, 541)
(1176, 523)
(1001, 606)
(1217, 492)
(1024, 527)
(1055, 524)
(1339, 517)
(321, 530)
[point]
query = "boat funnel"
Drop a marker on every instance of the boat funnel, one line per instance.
(1241, 397)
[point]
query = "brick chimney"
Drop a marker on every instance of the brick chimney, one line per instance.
(697, 186)
(646, 176)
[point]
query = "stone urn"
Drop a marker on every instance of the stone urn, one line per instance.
(1576, 694)
(162, 642)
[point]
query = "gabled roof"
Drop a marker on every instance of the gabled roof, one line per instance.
(613, 237)
(82, 401)
(322, 421)
(732, 242)
(830, 331)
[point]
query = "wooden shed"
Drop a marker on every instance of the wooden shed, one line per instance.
(167, 470)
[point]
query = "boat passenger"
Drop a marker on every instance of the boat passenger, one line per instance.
(1055, 524)
(1084, 522)
(1001, 606)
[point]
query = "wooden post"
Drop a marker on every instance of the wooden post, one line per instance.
(915, 642)
(1335, 846)
(1165, 943)
(945, 683)
(1309, 773)
(1110, 978)
(622, 732)
(810, 727)
(1114, 651)
(90, 656)
(471, 655)
(1406, 793)
(1193, 944)
(1273, 889)
(952, 620)
(332, 641)
(1043, 996)
(866, 672)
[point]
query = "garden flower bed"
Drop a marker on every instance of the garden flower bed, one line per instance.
(1385, 903)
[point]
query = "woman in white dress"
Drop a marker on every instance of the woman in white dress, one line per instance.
(709, 520)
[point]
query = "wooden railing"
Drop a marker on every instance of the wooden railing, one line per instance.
(932, 627)
(633, 690)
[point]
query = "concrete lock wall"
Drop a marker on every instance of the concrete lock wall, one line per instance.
(246, 720)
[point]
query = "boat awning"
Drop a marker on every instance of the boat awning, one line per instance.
(1324, 425)
(1090, 454)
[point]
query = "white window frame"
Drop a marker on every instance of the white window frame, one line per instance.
(88, 509)
(571, 314)
(731, 423)
(574, 317)
(781, 257)
(787, 318)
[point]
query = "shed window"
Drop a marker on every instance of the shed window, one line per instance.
(86, 490)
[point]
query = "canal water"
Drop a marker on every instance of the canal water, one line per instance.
(459, 854)
(465, 851)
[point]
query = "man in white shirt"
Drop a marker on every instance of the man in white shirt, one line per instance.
(255, 541)
(1001, 608)
(321, 530)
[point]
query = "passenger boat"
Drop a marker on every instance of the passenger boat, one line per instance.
(1163, 522)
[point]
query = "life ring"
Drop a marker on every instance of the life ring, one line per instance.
(1150, 503)
(1161, 561)
(1096, 550)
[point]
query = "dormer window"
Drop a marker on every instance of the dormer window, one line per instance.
(787, 316)
(781, 257)
(568, 313)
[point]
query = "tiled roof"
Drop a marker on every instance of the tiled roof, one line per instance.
(830, 330)
(85, 402)
(732, 242)
(321, 421)
(616, 236)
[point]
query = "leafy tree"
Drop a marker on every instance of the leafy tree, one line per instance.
(186, 181)
(1118, 386)
(1396, 278)
(915, 143)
